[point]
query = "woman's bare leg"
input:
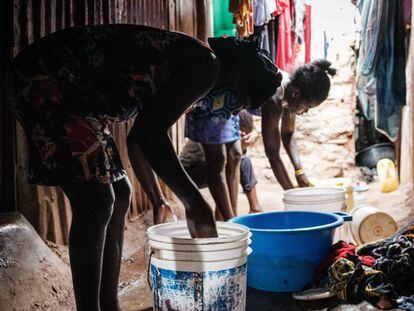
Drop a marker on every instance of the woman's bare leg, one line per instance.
(234, 155)
(113, 247)
(92, 206)
(215, 155)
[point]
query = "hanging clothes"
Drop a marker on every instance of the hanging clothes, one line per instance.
(300, 14)
(223, 19)
(262, 11)
(242, 16)
(381, 83)
(372, 14)
(273, 28)
(390, 72)
(285, 55)
(308, 33)
(262, 32)
(407, 12)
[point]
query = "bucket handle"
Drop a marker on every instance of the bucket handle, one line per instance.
(149, 271)
(345, 216)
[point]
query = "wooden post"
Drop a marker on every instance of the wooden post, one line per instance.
(201, 20)
(7, 121)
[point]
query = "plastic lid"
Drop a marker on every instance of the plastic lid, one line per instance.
(316, 194)
(177, 233)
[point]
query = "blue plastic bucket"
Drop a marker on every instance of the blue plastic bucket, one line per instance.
(288, 247)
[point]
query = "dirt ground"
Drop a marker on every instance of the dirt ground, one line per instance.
(325, 138)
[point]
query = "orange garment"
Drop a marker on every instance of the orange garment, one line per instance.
(285, 57)
(243, 16)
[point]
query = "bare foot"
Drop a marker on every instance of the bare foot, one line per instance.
(255, 210)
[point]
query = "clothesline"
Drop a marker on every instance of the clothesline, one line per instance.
(284, 27)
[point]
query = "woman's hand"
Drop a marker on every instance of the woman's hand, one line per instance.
(164, 213)
(200, 221)
(303, 181)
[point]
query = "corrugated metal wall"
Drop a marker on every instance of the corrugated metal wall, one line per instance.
(46, 207)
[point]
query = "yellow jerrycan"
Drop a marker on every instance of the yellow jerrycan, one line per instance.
(387, 175)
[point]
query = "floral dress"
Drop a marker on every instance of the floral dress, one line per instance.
(69, 86)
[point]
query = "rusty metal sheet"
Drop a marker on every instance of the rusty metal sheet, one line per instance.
(46, 207)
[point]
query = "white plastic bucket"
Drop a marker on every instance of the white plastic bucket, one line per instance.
(370, 224)
(314, 194)
(318, 199)
(324, 206)
(342, 183)
(198, 274)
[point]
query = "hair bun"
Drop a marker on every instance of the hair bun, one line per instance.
(324, 65)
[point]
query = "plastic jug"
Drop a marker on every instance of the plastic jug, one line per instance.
(387, 175)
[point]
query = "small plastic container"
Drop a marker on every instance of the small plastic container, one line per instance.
(387, 175)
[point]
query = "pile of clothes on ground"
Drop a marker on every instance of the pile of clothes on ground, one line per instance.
(381, 272)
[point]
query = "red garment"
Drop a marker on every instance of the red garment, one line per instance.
(308, 33)
(285, 56)
(340, 250)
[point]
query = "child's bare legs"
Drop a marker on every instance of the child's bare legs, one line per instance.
(248, 182)
(234, 155)
(216, 158)
(253, 201)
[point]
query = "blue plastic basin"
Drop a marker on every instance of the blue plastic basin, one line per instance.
(288, 247)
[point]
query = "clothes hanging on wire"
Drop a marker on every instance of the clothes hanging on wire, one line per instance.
(273, 29)
(284, 28)
(300, 13)
(262, 32)
(380, 70)
(372, 22)
(262, 11)
(285, 55)
(390, 72)
(223, 19)
(308, 33)
(242, 16)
